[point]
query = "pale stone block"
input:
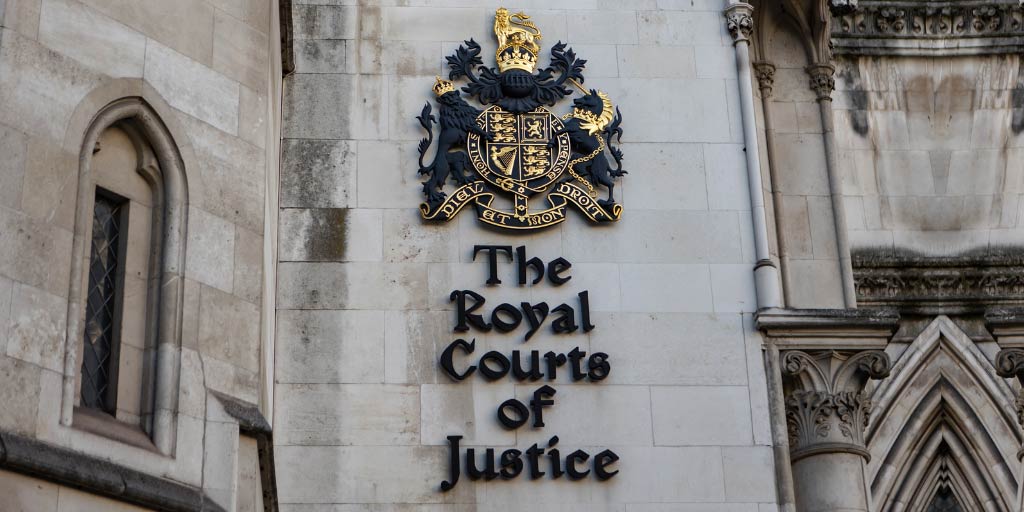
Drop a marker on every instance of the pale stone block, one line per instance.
(432, 24)
(823, 229)
(546, 245)
(41, 87)
(673, 176)
(978, 171)
(717, 62)
(407, 238)
(880, 239)
(36, 327)
(359, 107)
(191, 392)
(211, 250)
(701, 415)
(330, 346)
(903, 173)
(14, 147)
(990, 128)
(757, 383)
(657, 61)
(733, 288)
(726, 177)
(6, 291)
(467, 409)
(318, 173)
(231, 175)
(698, 111)
(185, 25)
(326, 21)
(361, 285)
(229, 329)
(582, 416)
(666, 288)
(228, 379)
(651, 236)
(749, 474)
(192, 87)
(412, 342)
(220, 459)
(34, 253)
(240, 51)
(49, 190)
(600, 280)
(816, 284)
(801, 162)
(248, 278)
(672, 348)
(320, 56)
(92, 39)
(347, 414)
(367, 474)
(941, 243)
(661, 474)
(408, 95)
(20, 395)
(395, 57)
(791, 85)
(387, 175)
(681, 28)
(21, 16)
(605, 26)
(249, 496)
(26, 494)
(797, 226)
(602, 59)
(252, 116)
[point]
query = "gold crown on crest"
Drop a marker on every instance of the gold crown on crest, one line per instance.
(442, 86)
(517, 41)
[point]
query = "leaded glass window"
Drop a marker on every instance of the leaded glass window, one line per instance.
(99, 362)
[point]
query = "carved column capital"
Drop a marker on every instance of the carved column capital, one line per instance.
(739, 20)
(826, 408)
(842, 7)
(822, 82)
(765, 72)
(1009, 365)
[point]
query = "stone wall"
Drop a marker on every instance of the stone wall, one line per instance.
(205, 68)
(363, 409)
(931, 157)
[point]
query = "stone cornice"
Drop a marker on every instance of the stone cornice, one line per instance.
(939, 285)
(828, 328)
(914, 27)
(60, 465)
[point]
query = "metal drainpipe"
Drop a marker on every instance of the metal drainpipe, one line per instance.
(766, 275)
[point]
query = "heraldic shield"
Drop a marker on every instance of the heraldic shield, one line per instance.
(516, 147)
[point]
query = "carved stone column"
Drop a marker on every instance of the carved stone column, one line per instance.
(825, 358)
(826, 413)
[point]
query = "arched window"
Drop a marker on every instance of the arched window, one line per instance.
(124, 329)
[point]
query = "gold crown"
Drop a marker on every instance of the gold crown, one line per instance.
(516, 56)
(442, 86)
(517, 41)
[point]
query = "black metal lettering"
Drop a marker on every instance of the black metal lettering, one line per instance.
(541, 399)
(555, 269)
(447, 357)
(490, 373)
(534, 263)
(535, 315)
(465, 317)
(500, 323)
(509, 422)
(492, 260)
(603, 460)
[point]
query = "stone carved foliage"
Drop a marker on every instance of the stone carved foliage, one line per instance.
(909, 282)
(826, 409)
(765, 73)
(1010, 364)
(1000, 20)
(739, 21)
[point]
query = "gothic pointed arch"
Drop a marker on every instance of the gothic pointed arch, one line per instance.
(944, 432)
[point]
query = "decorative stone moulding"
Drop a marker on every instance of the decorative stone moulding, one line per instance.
(961, 284)
(908, 27)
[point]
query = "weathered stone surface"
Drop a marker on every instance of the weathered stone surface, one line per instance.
(318, 174)
(25, 494)
(352, 285)
(240, 51)
(229, 329)
(192, 87)
(186, 26)
(20, 395)
(211, 255)
(91, 38)
(330, 346)
(36, 327)
(320, 56)
(248, 265)
(701, 416)
(348, 414)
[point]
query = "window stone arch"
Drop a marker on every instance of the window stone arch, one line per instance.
(170, 209)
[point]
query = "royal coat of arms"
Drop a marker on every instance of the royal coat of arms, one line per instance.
(515, 146)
